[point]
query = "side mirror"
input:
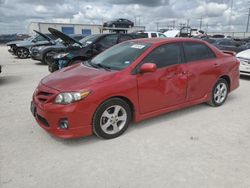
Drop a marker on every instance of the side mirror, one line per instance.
(97, 46)
(148, 67)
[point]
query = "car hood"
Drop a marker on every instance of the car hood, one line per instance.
(76, 78)
(66, 39)
(15, 42)
(244, 54)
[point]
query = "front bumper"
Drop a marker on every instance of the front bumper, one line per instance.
(48, 116)
(36, 56)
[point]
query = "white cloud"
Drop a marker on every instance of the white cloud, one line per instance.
(40, 9)
(211, 9)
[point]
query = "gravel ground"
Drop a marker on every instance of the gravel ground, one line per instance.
(198, 146)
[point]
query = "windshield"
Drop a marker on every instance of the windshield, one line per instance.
(120, 56)
(88, 40)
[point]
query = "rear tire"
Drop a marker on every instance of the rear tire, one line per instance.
(112, 118)
(219, 93)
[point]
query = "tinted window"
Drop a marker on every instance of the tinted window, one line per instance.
(226, 42)
(108, 41)
(40, 38)
(165, 55)
(197, 51)
(161, 35)
(124, 38)
(153, 35)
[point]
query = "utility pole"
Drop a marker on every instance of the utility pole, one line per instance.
(187, 22)
(157, 26)
(173, 24)
(248, 20)
(200, 23)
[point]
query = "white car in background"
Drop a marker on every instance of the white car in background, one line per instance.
(244, 58)
(172, 33)
(153, 34)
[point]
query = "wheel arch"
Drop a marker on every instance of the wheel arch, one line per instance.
(126, 99)
(227, 78)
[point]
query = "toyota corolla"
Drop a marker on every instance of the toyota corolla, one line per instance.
(133, 81)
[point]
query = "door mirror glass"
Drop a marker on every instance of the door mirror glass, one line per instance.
(148, 67)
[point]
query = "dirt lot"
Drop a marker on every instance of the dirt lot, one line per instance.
(198, 146)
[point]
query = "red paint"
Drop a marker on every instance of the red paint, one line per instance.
(155, 92)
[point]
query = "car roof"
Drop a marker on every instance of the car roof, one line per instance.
(166, 40)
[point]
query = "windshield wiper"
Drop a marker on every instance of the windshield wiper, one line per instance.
(98, 65)
(103, 66)
(92, 64)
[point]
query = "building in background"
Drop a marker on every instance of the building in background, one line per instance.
(85, 29)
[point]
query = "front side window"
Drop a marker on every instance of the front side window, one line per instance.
(120, 56)
(165, 55)
(197, 51)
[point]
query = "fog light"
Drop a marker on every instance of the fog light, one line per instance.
(64, 124)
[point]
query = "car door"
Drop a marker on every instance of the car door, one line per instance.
(203, 69)
(167, 86)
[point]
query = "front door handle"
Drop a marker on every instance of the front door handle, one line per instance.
(216, 65)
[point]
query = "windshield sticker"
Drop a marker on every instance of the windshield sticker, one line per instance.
(127, 62)
(137, 46)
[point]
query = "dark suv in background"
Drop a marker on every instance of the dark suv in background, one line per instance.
(91, 46)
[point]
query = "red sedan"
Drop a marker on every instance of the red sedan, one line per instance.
(133, 81)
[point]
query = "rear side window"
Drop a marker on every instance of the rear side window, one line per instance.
(124, 38)
(197, 51)
(165, 55)
(153, 35)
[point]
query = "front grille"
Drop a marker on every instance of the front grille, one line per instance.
(244, 61)
(44, 96)
(245, 72)
(42, 120)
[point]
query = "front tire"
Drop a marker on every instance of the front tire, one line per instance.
(219, 93)
(22, 53)
(112, 118)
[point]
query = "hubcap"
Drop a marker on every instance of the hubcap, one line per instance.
(22, 53)
(113, 119)
(220, 93)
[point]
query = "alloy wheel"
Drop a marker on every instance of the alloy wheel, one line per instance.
(113, 119)
(220, 93)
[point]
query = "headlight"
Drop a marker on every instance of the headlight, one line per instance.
(39, 48)
(70, 97)
(60, 55)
